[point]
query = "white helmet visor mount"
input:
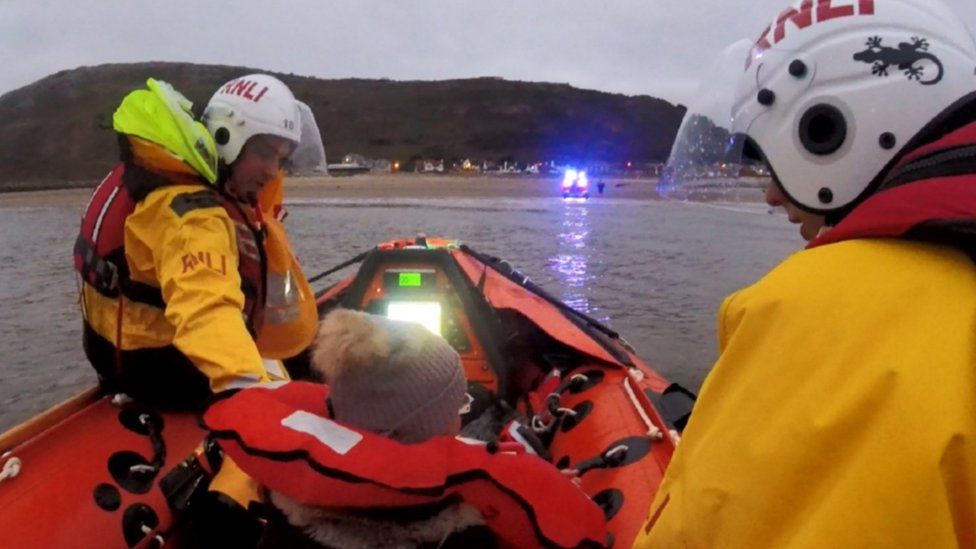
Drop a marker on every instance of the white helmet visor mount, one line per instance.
(707, 162)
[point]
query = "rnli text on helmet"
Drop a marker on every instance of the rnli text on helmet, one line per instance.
(243, 88)
(803, 18)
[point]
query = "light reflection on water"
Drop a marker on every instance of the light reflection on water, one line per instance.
(571, 262)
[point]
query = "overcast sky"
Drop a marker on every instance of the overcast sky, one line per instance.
(652, 47)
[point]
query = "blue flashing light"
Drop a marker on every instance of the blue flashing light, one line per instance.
(582, 181)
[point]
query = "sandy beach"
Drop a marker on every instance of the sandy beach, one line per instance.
(456, 186)
(384, 186)
(372, 186)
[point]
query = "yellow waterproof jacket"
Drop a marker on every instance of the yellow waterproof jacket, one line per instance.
(841, 412)
(166, 262)
(188, 248)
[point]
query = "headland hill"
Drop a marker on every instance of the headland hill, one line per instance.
(57, 131)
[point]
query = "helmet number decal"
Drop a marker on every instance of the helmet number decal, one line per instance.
(908, 57)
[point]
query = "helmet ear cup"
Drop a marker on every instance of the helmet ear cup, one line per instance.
(823, 129)
(222, 135)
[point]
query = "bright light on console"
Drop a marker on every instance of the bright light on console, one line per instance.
(425, 313)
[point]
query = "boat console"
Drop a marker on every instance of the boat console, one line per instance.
(426, 286)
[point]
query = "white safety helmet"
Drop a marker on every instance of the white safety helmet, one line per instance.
(832, 92)
(251, 105)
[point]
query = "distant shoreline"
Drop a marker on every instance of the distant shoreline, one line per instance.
(45, 185)
(460, 186)
(386, 180)
(379, 186)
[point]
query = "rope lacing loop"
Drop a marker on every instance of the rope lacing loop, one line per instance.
(159, 448)
(578, 379)
(539, 426)
(675, 436)
(566, 412)
(152, 532)
(612, 457)
(11, 468)
(121, 399)
(544, 421)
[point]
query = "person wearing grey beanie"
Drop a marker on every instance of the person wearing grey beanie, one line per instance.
(390, 377)
(399, 380)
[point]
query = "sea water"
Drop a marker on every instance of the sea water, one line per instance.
(655, 271)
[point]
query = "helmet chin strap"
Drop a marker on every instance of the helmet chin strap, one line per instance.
(224, 173)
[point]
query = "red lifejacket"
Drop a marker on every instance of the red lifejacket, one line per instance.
(282, 436)
(99, 252)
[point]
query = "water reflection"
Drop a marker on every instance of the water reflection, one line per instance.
(571, 262)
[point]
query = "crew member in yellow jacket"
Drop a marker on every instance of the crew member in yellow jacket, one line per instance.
(842, 409)
(189, 283)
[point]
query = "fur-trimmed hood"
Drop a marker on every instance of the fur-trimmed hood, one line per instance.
(344, 529)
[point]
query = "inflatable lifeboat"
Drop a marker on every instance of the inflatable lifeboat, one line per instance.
(87, 473)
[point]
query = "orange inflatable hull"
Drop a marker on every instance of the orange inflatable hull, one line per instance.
(76, 486)
(603, 403)
(86, 473)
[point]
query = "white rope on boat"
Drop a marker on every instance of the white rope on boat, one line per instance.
(538, 422)
(539, 426)
(652, 431)
(614, 451)
(578, 378)
(121, 399)
(142, 469)
(150, 532)
(675, 436)
(10, 469)
(572, 475)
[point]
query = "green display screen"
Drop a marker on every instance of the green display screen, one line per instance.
(409, 280)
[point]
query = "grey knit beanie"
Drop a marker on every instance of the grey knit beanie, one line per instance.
(389, 377)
